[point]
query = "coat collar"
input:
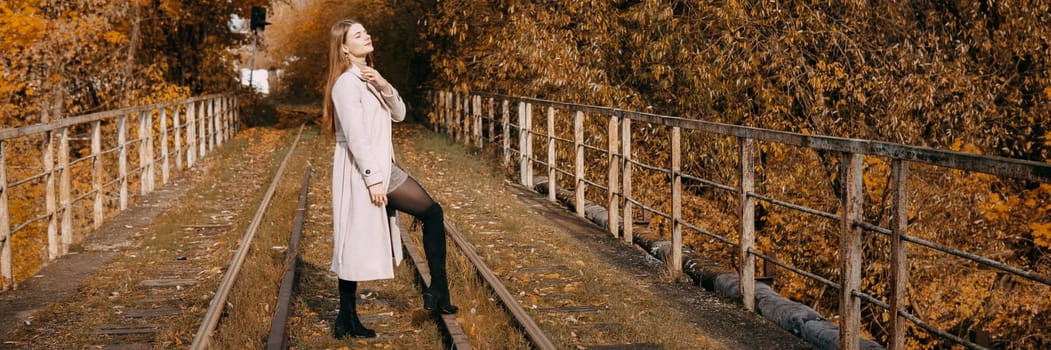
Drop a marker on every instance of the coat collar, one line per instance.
(356, 71)
(372, 89)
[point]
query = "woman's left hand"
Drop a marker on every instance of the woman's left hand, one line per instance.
(373, 76)
(378, 194)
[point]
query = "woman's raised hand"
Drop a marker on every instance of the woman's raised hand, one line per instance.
(373, 76)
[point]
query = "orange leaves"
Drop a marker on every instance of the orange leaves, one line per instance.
(70, 57)
(827, 77)
(1041, 232)
(20, 26)
(998, 208)
(1032, 204)
(966, 289)
(114, 37)
(960, 146)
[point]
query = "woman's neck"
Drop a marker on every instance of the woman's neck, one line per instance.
(359, 61)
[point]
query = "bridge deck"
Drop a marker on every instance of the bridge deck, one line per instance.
(585, 288)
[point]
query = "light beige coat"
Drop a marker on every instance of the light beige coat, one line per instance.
(365, 237)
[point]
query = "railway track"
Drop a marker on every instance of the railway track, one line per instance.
(218, 303)
(278, 335)
(454, 334)
(574, 317)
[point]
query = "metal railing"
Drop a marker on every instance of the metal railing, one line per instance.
(185, 131)
(465, 117)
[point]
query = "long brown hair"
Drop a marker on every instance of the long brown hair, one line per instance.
(338, 63)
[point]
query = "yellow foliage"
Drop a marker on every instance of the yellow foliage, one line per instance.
(1032, 204)
(998, 208)
(959, 145)
(1041, 233)
(114, 37)
(21, 25)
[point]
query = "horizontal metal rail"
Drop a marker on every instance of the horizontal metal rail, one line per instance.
(795, 206)
(649, 167)
(709, 234)
(587, 146)
(810, 275)
(563, 172)
(979, 259)
(25, 180)
(29, 222)
(595, 184)
(710, 183)
(83, 119)
(649, 208)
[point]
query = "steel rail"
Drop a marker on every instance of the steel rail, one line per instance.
(278, 338)
(215, 309)
(452, 327)
(533, 332)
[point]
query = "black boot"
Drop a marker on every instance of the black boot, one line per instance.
(436, 298)
(347, 322)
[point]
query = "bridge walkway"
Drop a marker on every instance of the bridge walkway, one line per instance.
(585, 288)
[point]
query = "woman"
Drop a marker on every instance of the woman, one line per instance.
(367, 188)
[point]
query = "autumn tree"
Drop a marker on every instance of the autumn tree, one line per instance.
(67, 58)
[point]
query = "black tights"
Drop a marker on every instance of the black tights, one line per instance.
(412, 199)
